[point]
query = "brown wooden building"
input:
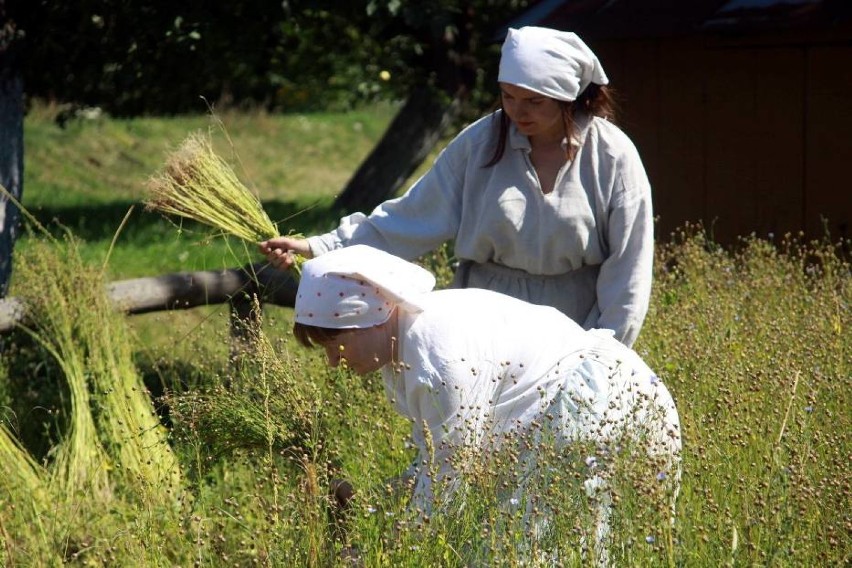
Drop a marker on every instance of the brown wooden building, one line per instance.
(741, 109)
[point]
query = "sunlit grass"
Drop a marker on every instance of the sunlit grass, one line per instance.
(753, 345)
(283, 157)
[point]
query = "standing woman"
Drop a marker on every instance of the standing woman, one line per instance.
(545, 199)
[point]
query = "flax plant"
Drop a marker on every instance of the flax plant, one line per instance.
(80, 462)
(115, 436)
(266, 405)
(196, 183)
(25, 502)
(126, 418)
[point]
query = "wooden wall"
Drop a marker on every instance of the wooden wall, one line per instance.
(743, 137)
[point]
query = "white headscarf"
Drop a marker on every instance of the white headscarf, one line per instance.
(358, 287)
(550, 62)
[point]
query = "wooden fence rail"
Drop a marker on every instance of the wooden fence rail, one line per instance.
(185, 290)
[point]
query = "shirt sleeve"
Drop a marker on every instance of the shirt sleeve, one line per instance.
(624, 281)
(426, 216)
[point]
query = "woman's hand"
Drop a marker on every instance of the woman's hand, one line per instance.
(281, 251)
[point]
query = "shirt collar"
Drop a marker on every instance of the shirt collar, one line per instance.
(582, 121)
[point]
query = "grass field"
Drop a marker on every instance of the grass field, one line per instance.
(754, 343)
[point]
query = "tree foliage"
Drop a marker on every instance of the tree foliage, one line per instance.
(154, 56)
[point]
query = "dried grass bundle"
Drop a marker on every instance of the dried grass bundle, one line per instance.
(114, 437)
(25, 504)
(198, 184)
(80, 462)
(21, 476)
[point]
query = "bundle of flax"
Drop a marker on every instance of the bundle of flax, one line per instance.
(114, 439)
(198, 184)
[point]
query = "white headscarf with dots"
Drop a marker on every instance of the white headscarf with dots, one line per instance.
(549, 62)
(357, 287)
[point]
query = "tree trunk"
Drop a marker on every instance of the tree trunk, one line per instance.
(11, 151)
(408, 140)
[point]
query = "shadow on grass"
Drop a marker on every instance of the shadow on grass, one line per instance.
(101, 221)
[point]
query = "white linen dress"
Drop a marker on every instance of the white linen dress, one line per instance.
(477, 367)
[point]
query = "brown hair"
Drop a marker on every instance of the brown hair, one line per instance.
(595, 100)
(311, 335)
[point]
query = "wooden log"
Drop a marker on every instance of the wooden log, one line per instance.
(183, 290)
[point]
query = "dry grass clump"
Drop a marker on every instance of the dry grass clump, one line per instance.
(21, 475)
(196, 183)
(114, 438)
(80, 462)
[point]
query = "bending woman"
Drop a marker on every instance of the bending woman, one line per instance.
(476, 371)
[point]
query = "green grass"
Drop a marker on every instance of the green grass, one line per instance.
(754, 344)
(88, 175)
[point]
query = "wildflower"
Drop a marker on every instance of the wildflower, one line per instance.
(809, 409)
(661, 476)
(650, 539)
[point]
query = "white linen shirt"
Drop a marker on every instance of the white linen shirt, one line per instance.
(585, 248)
(476, 363)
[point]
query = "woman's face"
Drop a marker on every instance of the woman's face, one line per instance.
(534, 115)
(364, 350)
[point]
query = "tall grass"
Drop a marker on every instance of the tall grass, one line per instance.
(754, 343)
(114, 454)
(81, 463)
(24, 491)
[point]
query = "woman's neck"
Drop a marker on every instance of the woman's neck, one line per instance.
(549, 142)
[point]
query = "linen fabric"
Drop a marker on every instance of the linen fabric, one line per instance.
(585, 248)
(553, 63)
(479, 368)
(358, 287)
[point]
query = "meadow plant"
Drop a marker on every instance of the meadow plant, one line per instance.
(114, 453)
(753, 344)
(196, 183)
(22, 527)
(264, 404)
(80, 462)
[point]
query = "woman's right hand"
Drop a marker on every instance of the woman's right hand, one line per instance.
(281, 251)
